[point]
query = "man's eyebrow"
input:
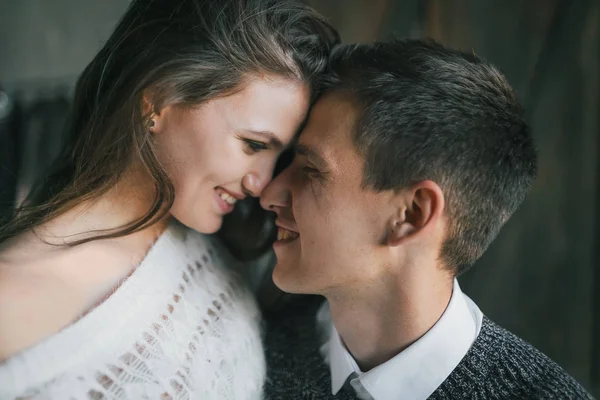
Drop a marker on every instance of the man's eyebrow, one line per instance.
(269, 136)
(310, 154)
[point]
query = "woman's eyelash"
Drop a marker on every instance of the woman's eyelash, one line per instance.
(255, 146)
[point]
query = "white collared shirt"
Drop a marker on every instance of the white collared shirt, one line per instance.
(419, 369)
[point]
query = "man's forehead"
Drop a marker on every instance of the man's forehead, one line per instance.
(330, 121)
(328, 134)
(340, 104)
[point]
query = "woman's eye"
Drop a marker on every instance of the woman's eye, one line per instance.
(254, 146)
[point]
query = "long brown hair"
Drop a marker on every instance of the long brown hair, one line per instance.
(181, 52)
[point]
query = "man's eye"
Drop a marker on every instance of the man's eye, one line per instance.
(310, 171)
(253, 146)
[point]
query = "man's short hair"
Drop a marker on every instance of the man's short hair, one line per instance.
(432, 113)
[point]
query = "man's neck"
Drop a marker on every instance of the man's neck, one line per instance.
(380, 320)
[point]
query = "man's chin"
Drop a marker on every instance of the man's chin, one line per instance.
(289, 282)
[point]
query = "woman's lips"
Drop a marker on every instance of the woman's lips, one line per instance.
(224, 201)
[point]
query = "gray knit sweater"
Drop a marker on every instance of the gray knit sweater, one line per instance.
(499, 365)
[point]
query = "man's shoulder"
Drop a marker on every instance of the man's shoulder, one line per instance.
(502, 365)
(506, 350)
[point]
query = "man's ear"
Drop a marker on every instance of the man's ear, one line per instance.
(419, 208)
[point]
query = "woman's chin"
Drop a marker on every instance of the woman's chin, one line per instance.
(208, 225)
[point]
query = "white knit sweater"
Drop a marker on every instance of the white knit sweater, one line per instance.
(182, 326)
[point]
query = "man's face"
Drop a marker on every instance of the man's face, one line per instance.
(333, 228)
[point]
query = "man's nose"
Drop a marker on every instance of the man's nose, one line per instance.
(276, 195)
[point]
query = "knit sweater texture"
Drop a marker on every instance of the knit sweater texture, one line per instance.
(182, 326)
(499, 365)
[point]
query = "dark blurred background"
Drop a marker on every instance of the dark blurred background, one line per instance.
(540, 279)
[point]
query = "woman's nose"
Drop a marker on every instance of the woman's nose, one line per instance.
(254, 184)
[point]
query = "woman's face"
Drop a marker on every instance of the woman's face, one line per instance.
(226, 148)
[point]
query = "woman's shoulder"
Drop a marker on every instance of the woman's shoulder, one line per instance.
(33, 304)
(42, 292)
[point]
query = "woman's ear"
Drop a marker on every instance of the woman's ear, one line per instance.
(418, 210)
(148, 110)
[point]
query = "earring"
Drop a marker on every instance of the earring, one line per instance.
(151, 123)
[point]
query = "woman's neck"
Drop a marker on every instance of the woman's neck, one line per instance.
(122, 204)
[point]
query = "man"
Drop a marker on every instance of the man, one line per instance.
(412, 160)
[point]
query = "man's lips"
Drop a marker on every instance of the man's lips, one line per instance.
(285, 232)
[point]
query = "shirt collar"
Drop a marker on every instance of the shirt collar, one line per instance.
(419, 369)
(342, 363)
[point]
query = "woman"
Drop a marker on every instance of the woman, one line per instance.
(106, 289)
